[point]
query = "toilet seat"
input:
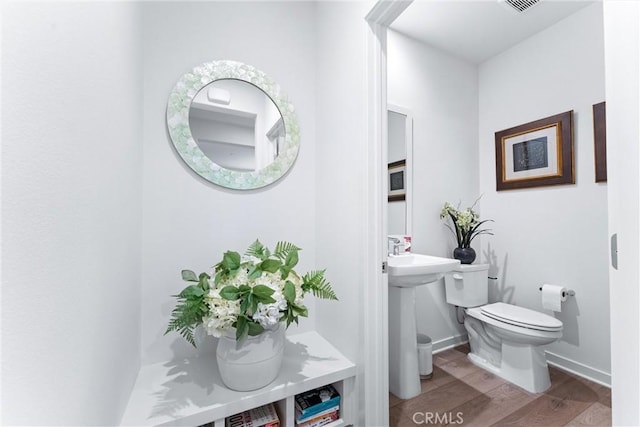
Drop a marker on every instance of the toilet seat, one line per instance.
(522, 317)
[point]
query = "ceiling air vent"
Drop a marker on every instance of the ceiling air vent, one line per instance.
(519, 5)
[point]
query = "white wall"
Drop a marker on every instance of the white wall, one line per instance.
(71, 211)
(189, 222)
(442, 92)
(341, 159)
(551, 234)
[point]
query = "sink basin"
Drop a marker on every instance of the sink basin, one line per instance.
(409, 270)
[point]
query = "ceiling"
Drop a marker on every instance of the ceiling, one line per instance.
(476, 30)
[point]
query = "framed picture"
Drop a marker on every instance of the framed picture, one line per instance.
(600, 141)
(396, 181)
(536, 154)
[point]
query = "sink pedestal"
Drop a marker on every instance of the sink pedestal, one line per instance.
(404, 375)
(405, 273)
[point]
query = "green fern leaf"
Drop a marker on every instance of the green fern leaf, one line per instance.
(189, 310)
(257, 250)
(283, 249)
(315, 282)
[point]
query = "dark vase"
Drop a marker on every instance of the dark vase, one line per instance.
(465, 255)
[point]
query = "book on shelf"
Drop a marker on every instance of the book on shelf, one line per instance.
(320, 419)
(315, 401)
(263, 416)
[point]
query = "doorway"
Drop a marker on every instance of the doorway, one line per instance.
(625, 18)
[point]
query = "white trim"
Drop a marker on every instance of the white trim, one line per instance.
(384, 12)
(577, 368)
(374, 389)
(449, 343)
(375, 386)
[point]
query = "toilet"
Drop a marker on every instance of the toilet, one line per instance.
(505, 339)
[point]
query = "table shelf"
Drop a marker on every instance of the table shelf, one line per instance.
(189, 392)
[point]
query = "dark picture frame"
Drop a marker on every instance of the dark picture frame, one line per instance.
(600, 140)
(397, 181)
(536, 154)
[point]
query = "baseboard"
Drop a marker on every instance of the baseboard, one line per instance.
(577, 368)
(450, 342)
(560, 362)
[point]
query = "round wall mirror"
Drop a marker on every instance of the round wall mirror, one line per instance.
(233, 125)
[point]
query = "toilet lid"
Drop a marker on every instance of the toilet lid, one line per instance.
(521, 316)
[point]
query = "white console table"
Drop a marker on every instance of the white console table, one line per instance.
(189, 392)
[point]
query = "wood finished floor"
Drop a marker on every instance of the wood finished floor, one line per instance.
(463, 394)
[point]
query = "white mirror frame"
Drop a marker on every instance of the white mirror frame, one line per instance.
(178, 125)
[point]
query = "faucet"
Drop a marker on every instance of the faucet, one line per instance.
(396, 245)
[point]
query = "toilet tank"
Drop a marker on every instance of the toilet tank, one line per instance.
(467, 285)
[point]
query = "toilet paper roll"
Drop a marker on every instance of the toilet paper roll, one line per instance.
(553, 296)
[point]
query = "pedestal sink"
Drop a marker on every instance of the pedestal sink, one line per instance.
(411, 270)
(405, 273)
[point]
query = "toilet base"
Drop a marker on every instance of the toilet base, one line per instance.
(522, 365)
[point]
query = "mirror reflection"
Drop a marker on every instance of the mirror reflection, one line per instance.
(239, 132)
(236, 125)
(399, 151)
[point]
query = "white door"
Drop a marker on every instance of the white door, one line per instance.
(622, 70)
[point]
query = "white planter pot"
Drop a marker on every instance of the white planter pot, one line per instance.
(253, 363)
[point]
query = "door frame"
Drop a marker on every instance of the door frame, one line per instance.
(375, 399)
(622, 94)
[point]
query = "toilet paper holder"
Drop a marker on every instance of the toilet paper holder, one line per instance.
(570, 292)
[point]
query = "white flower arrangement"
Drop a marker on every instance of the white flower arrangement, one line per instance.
(252, 293)
(466, 223)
